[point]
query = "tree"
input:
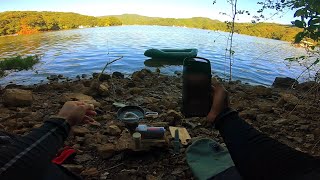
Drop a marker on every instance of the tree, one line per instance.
(307, 17)
(308, 12)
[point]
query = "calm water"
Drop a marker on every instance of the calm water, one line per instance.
(83, 51)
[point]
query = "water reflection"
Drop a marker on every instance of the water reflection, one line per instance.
(158, 63)
(84, 51)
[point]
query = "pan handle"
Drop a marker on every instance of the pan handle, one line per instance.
(127, 114)
(151, 114)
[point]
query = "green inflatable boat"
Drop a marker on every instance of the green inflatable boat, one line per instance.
(171, 53)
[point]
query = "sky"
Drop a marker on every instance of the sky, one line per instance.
(152, 8)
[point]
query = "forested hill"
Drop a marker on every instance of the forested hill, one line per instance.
(267, 30)
(28, 22)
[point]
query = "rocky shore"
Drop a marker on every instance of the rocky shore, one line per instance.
(288, 115)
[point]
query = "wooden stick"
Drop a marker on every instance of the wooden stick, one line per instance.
(108, 64)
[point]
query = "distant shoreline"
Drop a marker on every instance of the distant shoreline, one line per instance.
(12, 35)
(30, 22)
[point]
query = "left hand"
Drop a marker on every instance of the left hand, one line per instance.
(77, 112)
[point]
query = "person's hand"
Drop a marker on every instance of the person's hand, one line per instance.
(220, 102)
(76, 112)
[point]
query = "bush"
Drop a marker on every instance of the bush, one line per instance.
(18, 63)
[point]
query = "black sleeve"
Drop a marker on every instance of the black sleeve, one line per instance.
(258, 156)
(30, 155)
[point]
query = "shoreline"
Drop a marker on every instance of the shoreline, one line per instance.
(288, 115)
(39, 32)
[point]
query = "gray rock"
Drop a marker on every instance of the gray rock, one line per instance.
(84, 76)
(104, 89)
(262, 91)
(310, 138)
(249, 114)
(130, 84)
(60, 76)
(53, 77)
(309, 86)
(262, 117)
(304, 127)
(138, 75)
(178, 73)
(288, 98)
(265, 108)
(124, 142)
(113, 130)
(103, 77)
(151, 177)
(80, 131)
(176, 115)
(73, 168)
(93, 140)
(90, 172)
(117, 75)
(294, 118)
(286, 82)
(82, 158)
(136, 90)
(17, 97)
(104, 176)
(298, 139)
(106, 151)
(280, 121)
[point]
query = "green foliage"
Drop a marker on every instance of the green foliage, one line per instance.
(23, 22)
(109, 21)
(308, 12)
(18, 63)
(266, 30)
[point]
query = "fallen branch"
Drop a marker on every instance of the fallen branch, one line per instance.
(109, 64)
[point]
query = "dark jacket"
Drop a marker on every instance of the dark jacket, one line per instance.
(257, 156)
(29, 157)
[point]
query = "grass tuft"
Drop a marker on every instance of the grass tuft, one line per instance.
(18, 63)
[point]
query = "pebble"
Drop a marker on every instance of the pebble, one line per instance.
(280, 121)
(151, 177)
(90, 172)
(310, 138)
(106, 151)
(83, 76)
(104, 175)
(262, 91)
(261, 117)
(80, 131)
(176, 115)
(113, 130)
(117, 75)
(165, 97)
(82, 158)
(73, 168)
(298, 139)
(103, 89)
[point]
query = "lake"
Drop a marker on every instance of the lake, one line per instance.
(84, 51)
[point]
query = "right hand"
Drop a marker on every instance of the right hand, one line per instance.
(220, 102)
(77, 112)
